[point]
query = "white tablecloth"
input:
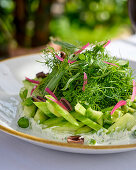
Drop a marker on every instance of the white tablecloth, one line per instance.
(16, 154)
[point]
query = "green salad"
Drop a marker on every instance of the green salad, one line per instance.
(86, 91)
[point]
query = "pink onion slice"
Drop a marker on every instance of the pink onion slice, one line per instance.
(110, 63)
(69, 61)
(32, 81)
(33, 89)
(107, 43)
(51, 93)
(59, 58)
(134, 91)
(79, 51)
(56, 101)
(85, 81)
(120, 103)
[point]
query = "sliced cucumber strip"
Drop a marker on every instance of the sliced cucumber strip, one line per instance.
(23, 93)
(67, 127)
(43, 107)
(134, 105)
(84, 129)
(131, 110)
(88, 122)
(29, 111)
(123, 63)
(53, 121)
(117, 114)
(80, 109)
(100, 121)
(125, 122)
(64, 113)
(92, 114)
(29, 86)
(40, 117)
(52, 109)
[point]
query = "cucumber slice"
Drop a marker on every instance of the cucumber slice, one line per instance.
(29, 111)
(127, 109)
(124, 108)
(64, 113)
(82, 130)
(131, 110)
(123, 63)
(53, 121)
(117, 114)
(110, 119)
(134, 105)
(43, 107)
(100, 121)
(40, 117)
(80, 109)
(92, 114)
(88, 121)
(66, 126)
(125, 122)
(52, 109)
(23, 93)
(107, 118)
(48, 107)
(29, 86)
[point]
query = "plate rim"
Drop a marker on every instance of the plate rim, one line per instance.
(62, 144)
(56, 143)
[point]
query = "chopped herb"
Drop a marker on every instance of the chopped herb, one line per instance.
(106, 85)
(92, 142)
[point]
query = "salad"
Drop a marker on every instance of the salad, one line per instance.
(85, 93)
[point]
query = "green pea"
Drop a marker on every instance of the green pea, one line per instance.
(23, 122)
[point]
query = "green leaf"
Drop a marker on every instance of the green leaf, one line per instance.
(23, 93)
(64, 44)
(28, 102)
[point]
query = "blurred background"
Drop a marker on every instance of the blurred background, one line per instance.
(26, 25)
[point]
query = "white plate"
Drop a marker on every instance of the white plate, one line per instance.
(12, 72)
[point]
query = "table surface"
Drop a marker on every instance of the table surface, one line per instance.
(16, 154)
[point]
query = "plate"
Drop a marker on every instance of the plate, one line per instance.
(12, 72)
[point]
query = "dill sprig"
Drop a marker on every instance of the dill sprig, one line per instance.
(107, 84)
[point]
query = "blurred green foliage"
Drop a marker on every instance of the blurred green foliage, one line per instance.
(82, 20)
(90, 20)
(6, 19)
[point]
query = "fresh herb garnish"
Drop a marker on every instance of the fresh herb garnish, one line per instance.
(92, 142)
(106, 84)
